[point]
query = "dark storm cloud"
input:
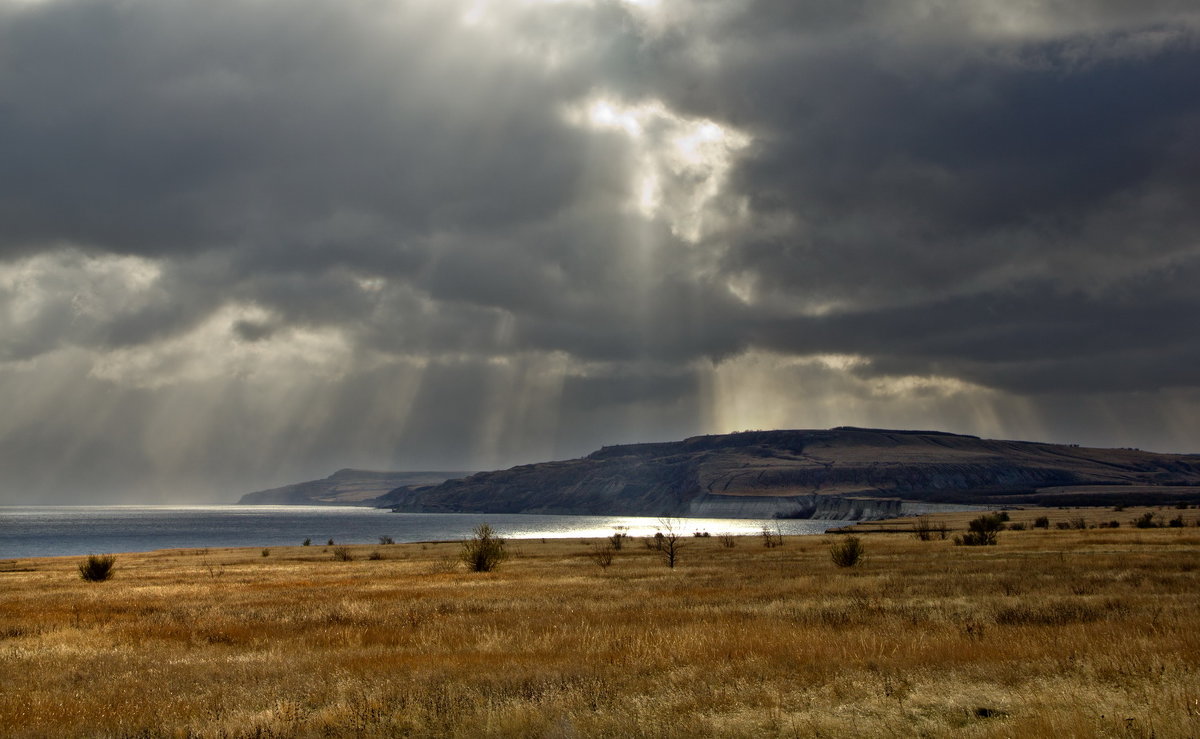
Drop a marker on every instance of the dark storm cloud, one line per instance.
(388, 233)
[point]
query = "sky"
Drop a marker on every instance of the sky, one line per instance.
(245, 243)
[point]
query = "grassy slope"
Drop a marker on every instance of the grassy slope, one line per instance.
(1067, 633)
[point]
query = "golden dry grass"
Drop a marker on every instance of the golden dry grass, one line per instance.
(1051, 633)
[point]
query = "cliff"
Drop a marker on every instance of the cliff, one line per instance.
(839, 473)
(345, 487)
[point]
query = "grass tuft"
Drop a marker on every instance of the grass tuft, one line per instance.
(97, 568)
(848, 552)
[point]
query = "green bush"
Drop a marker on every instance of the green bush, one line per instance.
(97, 568)
(484, 551)
(848, 552)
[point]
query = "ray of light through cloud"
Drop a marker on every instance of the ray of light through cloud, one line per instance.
(245, 243)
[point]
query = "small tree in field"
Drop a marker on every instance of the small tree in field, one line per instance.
(669, 542)
(484, 551)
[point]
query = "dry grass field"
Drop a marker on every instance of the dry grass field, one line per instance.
(1063, 633)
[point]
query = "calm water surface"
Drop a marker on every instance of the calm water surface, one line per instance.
(48, 531)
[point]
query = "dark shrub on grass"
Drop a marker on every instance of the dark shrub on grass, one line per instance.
(847, 552)
(981, 531)
(1041, 522)
(342, 554)
(923, 529)
(1146, 521)
(97, 568)
(484, 551)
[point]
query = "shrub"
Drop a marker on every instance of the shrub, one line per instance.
(330, 542)
(386, 540)
(848, 552)
(307, 542)
(617, 540)
(923, 529)
(728, 541)
(266, 552)
(375, 555)
(603, 554)
(771, 539)
(1078, 522)
(97, 568)
(342, 554)
(1176, 522)
(484, 551)
(1146, 521)
(982, 531)
(701, 534)
(1041, 522)
(1018, 526)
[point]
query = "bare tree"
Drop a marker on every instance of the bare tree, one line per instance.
(603, 554)
(670, 541)
(771, 539)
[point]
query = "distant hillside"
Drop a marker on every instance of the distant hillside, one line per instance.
(345, 487)
(837, 473)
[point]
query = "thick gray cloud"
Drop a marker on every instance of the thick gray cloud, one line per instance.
(247, 242)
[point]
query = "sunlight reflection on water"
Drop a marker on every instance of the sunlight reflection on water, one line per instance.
(47, 531)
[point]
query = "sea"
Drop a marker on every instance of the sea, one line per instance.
(52, 531)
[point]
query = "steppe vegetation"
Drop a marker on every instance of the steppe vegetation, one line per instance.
(1050, 632)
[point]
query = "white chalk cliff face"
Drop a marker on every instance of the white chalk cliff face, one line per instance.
(841, 473)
